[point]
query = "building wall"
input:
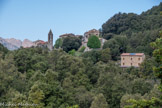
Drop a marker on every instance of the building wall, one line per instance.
(50, 40)
(50, 46)
(129, 60)
(87, 35)
(86, 47)
(85, 41)
(91, 32)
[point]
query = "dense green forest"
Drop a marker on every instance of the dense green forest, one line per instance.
(131, 32)
(94, 79)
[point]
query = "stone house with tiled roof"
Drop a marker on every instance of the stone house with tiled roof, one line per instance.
(132, 59)
(87, 35)
(67, 35)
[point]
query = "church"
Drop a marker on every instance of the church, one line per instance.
(50, 40)
(48, 44)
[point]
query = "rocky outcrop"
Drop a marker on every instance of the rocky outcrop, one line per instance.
(8, 45)
(27, 43)
(14, 44)
(13, 41)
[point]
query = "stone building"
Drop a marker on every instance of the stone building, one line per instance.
(85, 38)
(43, 44)
(132, 59)
(50, 40)
(90, 33)
(87, 35)
(67, 35)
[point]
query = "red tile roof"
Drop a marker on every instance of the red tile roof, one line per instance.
(132, 54)
(39, 42)
(67, 34)
(91, 31)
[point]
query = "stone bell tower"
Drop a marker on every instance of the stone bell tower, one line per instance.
(50, 40)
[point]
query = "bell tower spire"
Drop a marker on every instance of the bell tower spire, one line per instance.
(50, 40)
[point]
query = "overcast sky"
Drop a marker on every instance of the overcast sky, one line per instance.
(32, 19)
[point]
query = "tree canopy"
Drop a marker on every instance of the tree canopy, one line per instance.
(93, 42)
(93, 79)
(70, 43)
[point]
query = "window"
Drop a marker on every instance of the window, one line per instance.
(123, 58)
(131, 64)
(139, 64)
(131, 58)
(139, 59)
(123, 64)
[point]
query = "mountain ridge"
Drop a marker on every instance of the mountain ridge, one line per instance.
(14, 44)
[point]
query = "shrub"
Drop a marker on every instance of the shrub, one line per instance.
(82, 49)
(94, 42)
(72, 52)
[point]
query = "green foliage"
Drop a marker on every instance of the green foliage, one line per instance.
(137, 42)
(19, 99)
(92, 55)
(78, 54)
(126, 97)
(82, 49)
(3, 50)
(93, 42)
(58, 79)
(70, 43)
(99, 102)
(117, 45)
(36, 96)
(140, 31)
(72, 52)
(125, 100)
(131, 22)
(83, 97)
(31, 59)
(10, 77)
(105, 55)
(58, 43)
(114, 48)
(119, 23)
(140, 86)
(158, 57)
(74, 106)
(146, 68)
(55, 79)
(108, 36)
(154, 102)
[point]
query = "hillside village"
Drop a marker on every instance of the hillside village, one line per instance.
(127, 59)
(85, 38)
(118, 66)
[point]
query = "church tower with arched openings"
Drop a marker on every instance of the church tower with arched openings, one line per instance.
(50, 40)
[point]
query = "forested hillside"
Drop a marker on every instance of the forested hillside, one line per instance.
(129, 23)
(57, 79)
(131, 32)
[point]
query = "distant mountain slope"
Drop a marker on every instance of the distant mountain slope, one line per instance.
(7, 44)
(27, 43)
(14, 44)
